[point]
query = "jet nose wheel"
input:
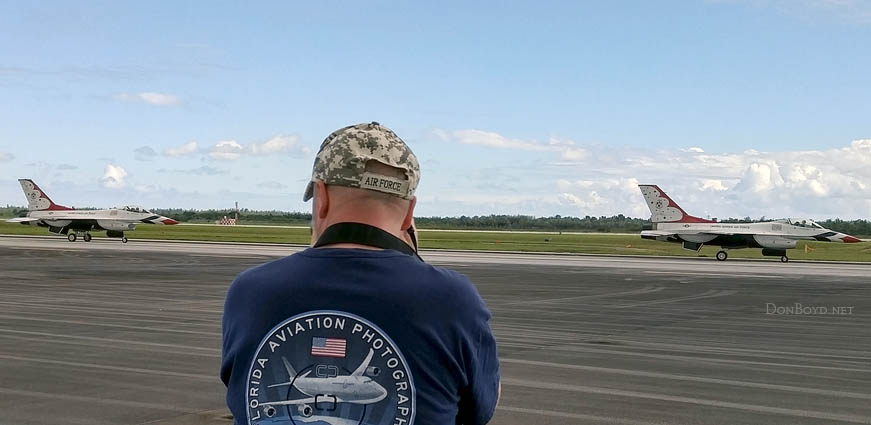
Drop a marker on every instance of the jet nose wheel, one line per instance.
(722, 255)
(784, 259)
(87, 237)
(123, 239)
(71, 237)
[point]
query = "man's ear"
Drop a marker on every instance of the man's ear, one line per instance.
(408, 221)
(322, 199)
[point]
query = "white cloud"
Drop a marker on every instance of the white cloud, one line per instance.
(590, 201)
(144, 153)
(601, 196)
(574, 154)
(496, 140)
(226, 150)
(761, 176)
(808, 176)
(113, 177)
(183, 150)
(695, 149)
(159, 99)
(822, 183)
(279, 144)
(151, 98)
(565, 147)
(231, 150)
(712, 184)
(753, 183)
(146, 188)
(206, 170)
(6, 156)
(578, 184)
(272, 184)
(492, 140)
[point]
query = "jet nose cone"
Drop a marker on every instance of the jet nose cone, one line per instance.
(167, 220)
(376, 392)
(850, 239)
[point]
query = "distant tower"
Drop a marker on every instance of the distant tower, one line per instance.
(237, 211)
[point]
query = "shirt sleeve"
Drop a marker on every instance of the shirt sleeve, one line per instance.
(234, 356)
(228, 349)
(479, 398)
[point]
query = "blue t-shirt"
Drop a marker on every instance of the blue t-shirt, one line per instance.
(352, 336)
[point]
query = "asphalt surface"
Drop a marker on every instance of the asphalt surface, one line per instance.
(105, 333)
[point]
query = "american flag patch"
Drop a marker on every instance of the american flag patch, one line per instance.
(328, 347)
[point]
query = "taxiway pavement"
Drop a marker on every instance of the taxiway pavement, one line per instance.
(111, 333)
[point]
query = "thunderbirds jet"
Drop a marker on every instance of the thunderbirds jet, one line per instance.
(63, 220)
(354, 388)
(672, 224)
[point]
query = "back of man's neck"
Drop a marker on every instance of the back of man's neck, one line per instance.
(374, 222)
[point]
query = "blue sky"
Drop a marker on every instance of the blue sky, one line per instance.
(734, 107)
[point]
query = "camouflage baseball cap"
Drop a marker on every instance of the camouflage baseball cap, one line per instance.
(344, 154)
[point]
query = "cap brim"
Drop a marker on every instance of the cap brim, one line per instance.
(309, 191)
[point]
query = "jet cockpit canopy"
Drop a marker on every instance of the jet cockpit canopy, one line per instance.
(801, 222)
(136, 209)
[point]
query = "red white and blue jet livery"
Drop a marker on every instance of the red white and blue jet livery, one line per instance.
(670, 223)
(68, 221)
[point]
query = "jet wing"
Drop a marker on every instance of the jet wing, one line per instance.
(59, 216)
(710, 232)
(289, 402)
(23, 220)
(705, 233)
(655, 233)
(284, 384)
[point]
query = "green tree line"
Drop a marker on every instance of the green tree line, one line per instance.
(603, 224)
(246, 216)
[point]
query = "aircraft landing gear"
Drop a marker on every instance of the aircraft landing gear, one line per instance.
(784, 259)
(73, 235)
(722, 255)
(116, 234)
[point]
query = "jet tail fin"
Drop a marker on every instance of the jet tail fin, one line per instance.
(365, 365)
(37, 200)
(663, 209)
(290, 372)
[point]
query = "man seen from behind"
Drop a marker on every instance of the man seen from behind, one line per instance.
(358, 329)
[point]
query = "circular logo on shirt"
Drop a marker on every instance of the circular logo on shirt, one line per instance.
(329, 368)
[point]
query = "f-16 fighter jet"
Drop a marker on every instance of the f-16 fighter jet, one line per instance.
(670, 223)
(354, 388)
(63, 220)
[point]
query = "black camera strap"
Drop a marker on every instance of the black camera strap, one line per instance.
(364, 234)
